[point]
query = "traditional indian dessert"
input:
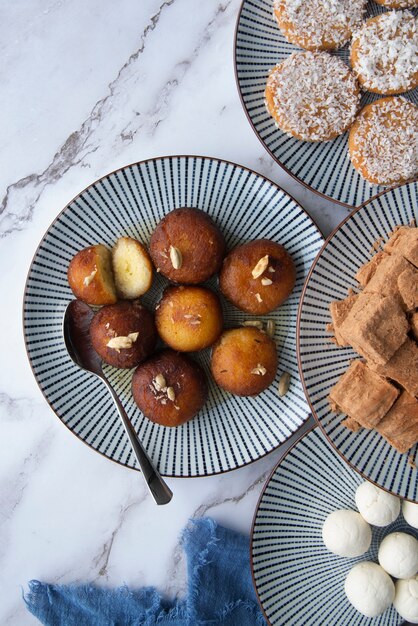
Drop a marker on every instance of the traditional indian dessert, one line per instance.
(406, 599)
(169, 388)
(368, 270)
(187, 246)
(339, 311)
(346, 533)
(244, 361)
(123, 334)
(257, 276)
(376, 506)
(400, 425)
(367, 409)
(402, 367)
(189, 318)
(404, 241)
(398, 4)
(384, 53)
(398, 555)
(319, 24)
(132, 268)
(410, 513)
(383, 141)
(376, 326)
(312, 96)
(90, 276)
(369, 588)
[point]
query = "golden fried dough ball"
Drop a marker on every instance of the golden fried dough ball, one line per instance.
(189, 318)
(132, 268)
(90, 275)
(187, 246)
(244, 361)
(169, 388)
(123, 334)
(258, 276)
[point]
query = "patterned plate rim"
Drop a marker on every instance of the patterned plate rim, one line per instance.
(133, 164)
(302, 432)
(302, 296)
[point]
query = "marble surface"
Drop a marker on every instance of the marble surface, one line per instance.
(88, 87)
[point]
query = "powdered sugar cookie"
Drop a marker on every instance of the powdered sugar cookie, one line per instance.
(319, 24)
(312, 96)
(383, 141)
(398, 4)
(384, 53)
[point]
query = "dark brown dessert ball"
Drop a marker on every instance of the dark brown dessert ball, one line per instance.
(189, 318)
(123, 334)
(258, 276)
(169, 388)
(187, 246)
(90, 275)
(244, 361)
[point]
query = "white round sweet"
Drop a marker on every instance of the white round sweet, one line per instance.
(406, 599)
(346, 533)
(398, 555)
(369, 589)
(377, 506)
(410, 513)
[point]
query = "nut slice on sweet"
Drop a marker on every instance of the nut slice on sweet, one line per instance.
(261, 266)
(121, 342)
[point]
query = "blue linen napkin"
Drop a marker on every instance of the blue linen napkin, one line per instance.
(219, 590)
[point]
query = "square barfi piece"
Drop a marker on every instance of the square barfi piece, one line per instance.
(363, 395)
(385, 279)
(414, 325)
(367, 271)
(339, 311)
(408, 288)
(400, 426)
(402, 367)
(376, 326)
(404, 241)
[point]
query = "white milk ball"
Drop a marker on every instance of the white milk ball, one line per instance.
(346, 533)
(377, 506)
(398, 555)
(406, 599)
(369, 589)
(410, 513)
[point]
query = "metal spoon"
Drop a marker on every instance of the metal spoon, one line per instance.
(76, 323)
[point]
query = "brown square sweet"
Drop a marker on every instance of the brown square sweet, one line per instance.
(400, 426)
(385, 278)
(376, 326)
(402, 367)
(408, 288)
(414, 325)
(339, 311)
(363, 395)
(404, 241)
(367, 271)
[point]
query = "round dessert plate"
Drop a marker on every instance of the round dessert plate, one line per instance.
(229, 431)
(323, 167)
(321, 362)
(297, 580)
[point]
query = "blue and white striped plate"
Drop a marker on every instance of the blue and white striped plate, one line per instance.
(323, 167)
(298, 581)
(229, 431)
(321, 362)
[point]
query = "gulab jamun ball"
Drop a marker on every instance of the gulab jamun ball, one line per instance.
(169, 388)
(258, 276)
(187, 246)
(244, 361)
(123, 334)
(132, 268)
(90, 275)
(189, 318)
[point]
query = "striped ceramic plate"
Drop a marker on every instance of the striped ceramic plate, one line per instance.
(323, 167)
(322, 363)
(298, 581)
(230, 431)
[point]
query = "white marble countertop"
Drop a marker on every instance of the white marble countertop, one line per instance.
(88, 87)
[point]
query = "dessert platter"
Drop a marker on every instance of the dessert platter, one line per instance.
(194, 269)
(330, 89)
(324, 542)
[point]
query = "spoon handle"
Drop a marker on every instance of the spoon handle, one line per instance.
(160, 491)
